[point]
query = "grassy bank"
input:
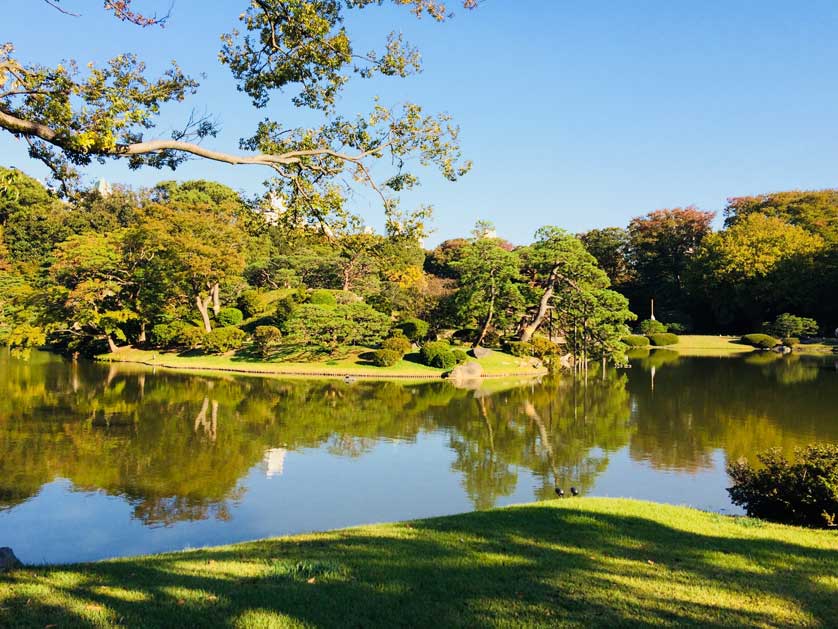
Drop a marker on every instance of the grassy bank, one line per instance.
(352, 362)
(706, 345)
(575, 562)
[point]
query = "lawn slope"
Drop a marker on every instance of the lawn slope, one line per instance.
(575, 562)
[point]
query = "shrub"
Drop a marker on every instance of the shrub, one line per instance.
(353, 324)
(229, 316)
(651, 326)
(222, 340)
(465, 335)
(265, 337)
(790, 325)
(675, 327)
(803, 491)
(519, 348)
(191, 336)
(791, 341)
(636, 340)
(284, 311)
(414, 329)
(544, 348)
(167, 334)
(385, 357)
(397, 343)
(432, 349)
(662, 339)
(460, 356)
(249, 303)
(322, 297)
(762, 341)
(444, 360)
(346, 297)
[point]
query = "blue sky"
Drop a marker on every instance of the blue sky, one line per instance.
(577, 114)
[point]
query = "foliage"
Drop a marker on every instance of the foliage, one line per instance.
(636, 340)
(663, 339)
(438, 354)
(266, 338)
(229, 316)
(330, 328)
(321, 297)
(762, 341)
(520, 349)
(221, 340)
(786, 325)
(802, 491)
(790, 341)
(651, 326)
(284, 311)
(610, 247)
(397, 343)
(167, 335)
(386, 357)
(250, 303)
(415, 330)
(460, 356)
(191, 337)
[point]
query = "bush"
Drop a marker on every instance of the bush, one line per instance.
(249, 303)
(651, 326)
(444, 360)
(346, 297)
(790, 325)
(284, 311)
(676, 328)
(543, 348)
(222, 340)
(636, 340)
(519, 348)
(397, 343)
(385, 357)
(460, 356)
(762, 341)
(322, 297)
(229, 316)
(465, 335)
(791, 341)
(662, 339)
(167, 334)
(803, 491)
(414, 329)
(432, 349)
(191, 337)
(265, 337)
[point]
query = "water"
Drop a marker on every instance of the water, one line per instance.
(100, 461)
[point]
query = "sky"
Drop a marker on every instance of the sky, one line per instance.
(576, 114)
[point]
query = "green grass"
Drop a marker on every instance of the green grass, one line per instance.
(350, 362)
(706, 345)
(576, 562)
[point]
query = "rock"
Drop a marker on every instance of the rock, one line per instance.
(467, 371)
(480, 352)
(782, 349)
(8, 561)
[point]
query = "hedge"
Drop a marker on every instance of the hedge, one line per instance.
(663, 339)
(635, 340)
(762, 341)
(385, 357)
(229, 316)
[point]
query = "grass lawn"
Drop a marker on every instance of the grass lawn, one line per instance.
(575, 562)
(349, 363)
(700, 345)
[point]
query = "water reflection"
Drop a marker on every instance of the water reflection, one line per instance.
(180, 450)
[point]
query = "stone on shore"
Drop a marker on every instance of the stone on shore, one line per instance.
(8, 561)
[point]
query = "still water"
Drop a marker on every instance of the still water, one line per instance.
(99, 461)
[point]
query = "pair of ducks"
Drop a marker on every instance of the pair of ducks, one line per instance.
(560, 492)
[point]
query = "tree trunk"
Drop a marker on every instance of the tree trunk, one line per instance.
(111, 345)
(203, 308)
(529, 329)
(489, 315)
(216, 299)
(142, 337)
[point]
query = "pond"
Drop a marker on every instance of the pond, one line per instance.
(101, 460)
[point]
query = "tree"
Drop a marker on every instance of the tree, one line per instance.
(814, 210)
(70, 118)
(488, 293)
(610, 247)
(788, 325)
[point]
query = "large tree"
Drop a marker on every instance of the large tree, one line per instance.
(298, 48)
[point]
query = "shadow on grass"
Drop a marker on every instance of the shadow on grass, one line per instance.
(525, 566)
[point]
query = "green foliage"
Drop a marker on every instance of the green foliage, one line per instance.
(791, 341)
(229, 316)
(790, 325)
(265, 338)
(803, 491)
(521, 349)
(221, 340)
(762, 341)
(397, 343)
(351, 324)
(437, 354)
(636, 340)
(459, 355)
(191, 337)
(545, 349)
(386, 357)
(167, 334)
(320, 297)
(662, 339)
(415, 330)
(284, 311)
(249, 303)
(651, 326)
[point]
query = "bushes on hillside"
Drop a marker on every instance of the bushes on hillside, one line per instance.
(651, 326)
(636, 340)
(229, 316)
(265, 338)
(397, 343)
(761, 341)
(353, 324)
(803, 491)
(385, 357)
(284, 311)
(414, 329)
(663, 339)
(249, 303)
(322, 297)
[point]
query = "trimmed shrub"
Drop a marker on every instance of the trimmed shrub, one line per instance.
(222, 340)
(385, 357)
(544, 348)
(322, 297)
(519, 348)
(762, 341)
(662, 339)
(167, 334)
(284, 311)
(397, 343)
(444, 360)
(636, 340)
(460, 356)
(803, 491)
(229, 316)
(265, 337)
(676, 328)
(791, 341)
(249, 303)
(651, 326)
(191, 337)
(414, 329)
(432, 349)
